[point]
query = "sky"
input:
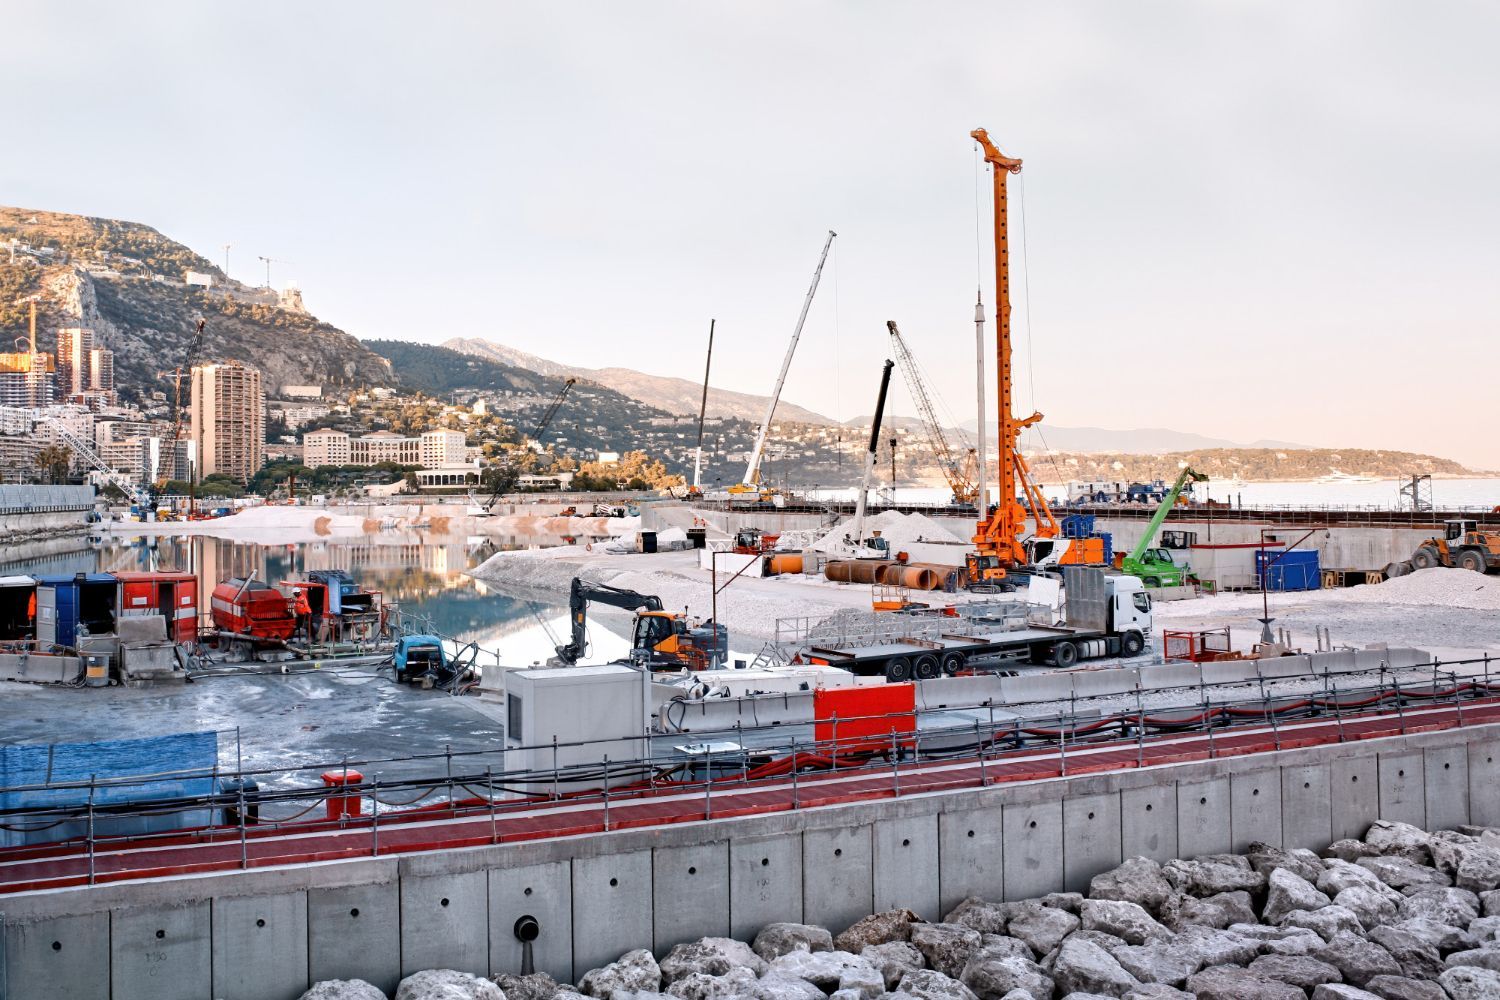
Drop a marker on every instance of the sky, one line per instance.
(1250, 220)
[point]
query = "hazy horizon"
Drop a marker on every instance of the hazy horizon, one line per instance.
(1245, 221)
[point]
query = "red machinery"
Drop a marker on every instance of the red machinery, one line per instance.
(173, 595)
(258, 610)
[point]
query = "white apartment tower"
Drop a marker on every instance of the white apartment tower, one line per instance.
(228, 411)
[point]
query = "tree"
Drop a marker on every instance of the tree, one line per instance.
(500, 478)
(53, 463)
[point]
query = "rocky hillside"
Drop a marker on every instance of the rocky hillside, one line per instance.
(1249, 464)
(125, 280)
(677, 396)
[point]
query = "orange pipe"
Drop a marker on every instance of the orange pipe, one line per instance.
(784, 562)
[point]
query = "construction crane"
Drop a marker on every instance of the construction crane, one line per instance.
(697, 488)
(176, 376)
(999, 547)
(268, 261)
(751, 483)
(958, 473)
(864, 547)
(1153, 565)
(536, 433)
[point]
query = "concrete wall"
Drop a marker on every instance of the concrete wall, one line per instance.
(266, 934)
(1339, 547)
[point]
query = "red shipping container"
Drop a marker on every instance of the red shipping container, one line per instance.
(866, 716)
(173, 595)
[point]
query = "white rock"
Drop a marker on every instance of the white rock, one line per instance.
(446, 984)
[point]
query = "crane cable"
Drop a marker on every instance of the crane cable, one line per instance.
(1030, 353)
(838, 405)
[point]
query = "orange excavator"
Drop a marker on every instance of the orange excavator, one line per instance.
(1001, 546)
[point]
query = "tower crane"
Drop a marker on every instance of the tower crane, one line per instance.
(268, 261)
(958, 473)
(176, 377)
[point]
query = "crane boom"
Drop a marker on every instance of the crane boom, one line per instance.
(703, 412)
(552, 410)
(864, 483)
(960, 481)
(1167, 503)
(752, 471)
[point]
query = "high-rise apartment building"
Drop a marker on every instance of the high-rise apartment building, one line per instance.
(102, 370)
(27, 379)
(83, 367)
(228, 411)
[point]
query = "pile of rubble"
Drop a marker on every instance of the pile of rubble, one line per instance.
(1399, 915)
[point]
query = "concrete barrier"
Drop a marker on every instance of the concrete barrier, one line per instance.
(265, 934)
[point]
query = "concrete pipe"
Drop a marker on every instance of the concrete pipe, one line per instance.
(852, 571)
(914, 578)
(784, 562)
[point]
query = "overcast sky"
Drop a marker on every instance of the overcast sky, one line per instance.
(1251, 220)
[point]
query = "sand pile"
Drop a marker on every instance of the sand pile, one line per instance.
(901, 530)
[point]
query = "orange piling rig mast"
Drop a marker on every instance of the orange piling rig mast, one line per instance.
(998, 545)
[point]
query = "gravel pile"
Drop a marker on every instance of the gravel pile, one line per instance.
(1399, 915)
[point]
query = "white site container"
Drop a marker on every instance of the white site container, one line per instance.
(604, 704)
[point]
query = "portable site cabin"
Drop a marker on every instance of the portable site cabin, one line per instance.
(172, 595)
(17, 608)
(68, 605)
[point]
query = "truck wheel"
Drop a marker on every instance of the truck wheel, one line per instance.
(1065, 654)
(1151, 581)
(1131, 643)
(1469, 559)
(1425, 557)
(927, 667)
(953, 663)
(898, 669)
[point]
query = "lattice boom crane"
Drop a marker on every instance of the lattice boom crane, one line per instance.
(958, 473)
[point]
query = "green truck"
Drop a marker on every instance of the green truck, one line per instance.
(1154, 565)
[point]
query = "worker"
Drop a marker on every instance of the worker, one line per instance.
(31, 612)
(303, 611)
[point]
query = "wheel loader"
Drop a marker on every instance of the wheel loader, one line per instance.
(1462, 546)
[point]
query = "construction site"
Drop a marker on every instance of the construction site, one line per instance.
(773, 746)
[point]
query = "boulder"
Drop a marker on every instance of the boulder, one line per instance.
(981, 915)
(536, 986)
(1265, 859)
(1137, 880)
(877, 928)
(1483, 958)
(1159, 962)
(1084, 967)
(1402, 988)
(780, 986)
(1004, 944)
(1043, 928)
(1447, 847)
(1400, 873)
(894, 959)
(1469, 982)
(1443, 937)
(946, 947)
(1399, 839)
(1287, 891)
(1211, 911)
(1212, 874)
(1279, 940)
(1447, 906)
(344, 989)
(1123, 919)
(845, 995)
(1478, 869)
(711, 956)
(1327, 922)
(993, 977)
(1340, 875)
(925, 984)
(1226, 982)
(1418, 958)
(1157, 991)
(1359, 960)
(1485, 929)
(1341, 991)
(447, 984)
(775, 940)
(1490, 901)
(634, 972)
(1350, 850)
(1301, 971)
(707, 986)
(1069, 901)
(863, 980)
(1372, 909)
(824, 969)
(1218, 947)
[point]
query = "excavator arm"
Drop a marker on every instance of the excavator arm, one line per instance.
(580, 595)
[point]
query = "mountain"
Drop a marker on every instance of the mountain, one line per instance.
(1138, 441)
(678, 396)
(126, 281)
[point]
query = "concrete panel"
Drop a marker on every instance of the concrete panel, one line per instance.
(906, 865)
(541, 891)
(1255, 809)
(444, 923)
(612, 911)
(1169, 675)
(838, 877)
(1306, 807)
(160, 952)
(1091, 838)
(1203, 817)
(1148, 822)
(60, 958)
(260, 946)
(970, 860)
(354, 932)
(1105, 682)
(1402, 798)
(1484, 783)
(1033, 849)
(1354, 796)
(765, 883)
(1445, 780)
(691, 893)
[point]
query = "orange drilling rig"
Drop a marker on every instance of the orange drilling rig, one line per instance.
(1000, 547)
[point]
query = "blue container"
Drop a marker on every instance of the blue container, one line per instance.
(1294, 570)
(1078, 526)
(1109, 547)
(65, 602)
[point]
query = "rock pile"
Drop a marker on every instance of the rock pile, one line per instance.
(1399, 915)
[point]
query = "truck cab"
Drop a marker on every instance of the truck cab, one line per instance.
(1129, 605)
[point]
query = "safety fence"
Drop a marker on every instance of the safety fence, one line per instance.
(730, 772)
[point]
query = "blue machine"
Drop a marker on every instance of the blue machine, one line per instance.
(1296, 569)
(419, 656)
(67, 604)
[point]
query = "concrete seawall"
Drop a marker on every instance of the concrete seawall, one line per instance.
(267, 933)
